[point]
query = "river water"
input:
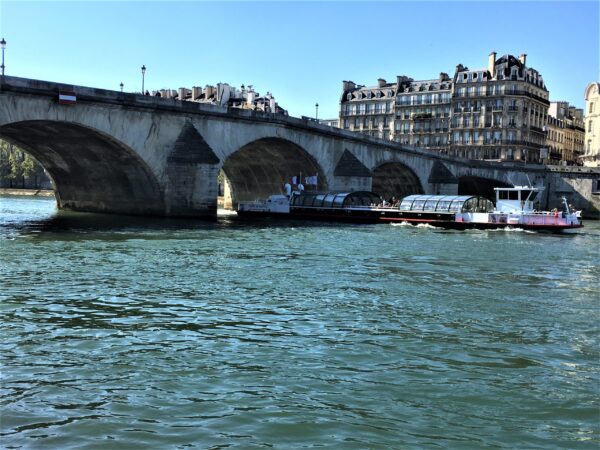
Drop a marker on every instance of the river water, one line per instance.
(127, 333)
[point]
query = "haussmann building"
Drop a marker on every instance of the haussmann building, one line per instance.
(498, 112)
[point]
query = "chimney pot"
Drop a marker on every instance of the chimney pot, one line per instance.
(523, 58)
(491, 63)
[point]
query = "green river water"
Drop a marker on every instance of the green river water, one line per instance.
(133, 333)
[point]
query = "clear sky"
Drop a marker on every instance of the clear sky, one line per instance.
(300, 51)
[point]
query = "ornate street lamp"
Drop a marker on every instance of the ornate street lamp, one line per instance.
(143, 73)
(317, 111)
(121, 86)
(3, 46)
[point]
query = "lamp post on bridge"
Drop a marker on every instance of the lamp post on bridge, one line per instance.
(3, 45)
(143, 74)
(317, 111)
(121, 86)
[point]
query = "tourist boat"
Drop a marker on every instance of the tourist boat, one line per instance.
(514, 208)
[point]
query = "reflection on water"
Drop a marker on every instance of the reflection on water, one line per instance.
(153, 333)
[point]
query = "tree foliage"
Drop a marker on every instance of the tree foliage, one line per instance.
(18, 169)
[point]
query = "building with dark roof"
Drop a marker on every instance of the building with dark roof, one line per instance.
(498, 112)
(369, 110)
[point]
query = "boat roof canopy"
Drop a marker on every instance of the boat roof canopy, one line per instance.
(519, 188)
(335, 199)
(446, 203)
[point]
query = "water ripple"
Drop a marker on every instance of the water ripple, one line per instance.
(137, 334)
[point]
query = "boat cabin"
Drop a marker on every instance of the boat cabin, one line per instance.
(335, 200)
(517, 199)
(446, 203)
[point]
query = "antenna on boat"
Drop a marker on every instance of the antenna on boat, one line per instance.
(529, 180)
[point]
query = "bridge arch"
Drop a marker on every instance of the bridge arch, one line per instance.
(394, 179)
(91, 171)
(260, 168)
(472, 185)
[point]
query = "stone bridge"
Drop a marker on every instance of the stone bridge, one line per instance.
(125, 153)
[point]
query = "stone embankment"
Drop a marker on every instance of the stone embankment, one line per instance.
(28, 192)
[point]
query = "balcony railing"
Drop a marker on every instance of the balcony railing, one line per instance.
(537, 130)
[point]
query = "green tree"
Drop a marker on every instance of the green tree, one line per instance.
(18, 168)
(27, 167)
(14, 161)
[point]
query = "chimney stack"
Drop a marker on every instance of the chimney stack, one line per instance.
(348, 85)
(523, 58)
(491, 63)
(381, 82)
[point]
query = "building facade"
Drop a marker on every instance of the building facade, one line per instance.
(422, 112)
(564, 134)
(591, 155)
(335, 123)
(368, 110)
(498, 112)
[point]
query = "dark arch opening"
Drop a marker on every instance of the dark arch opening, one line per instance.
(91, 171)
(260, 169)
(395, 179)
(469, 185)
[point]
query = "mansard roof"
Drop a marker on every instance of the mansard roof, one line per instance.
(508, 60)
(425, 86)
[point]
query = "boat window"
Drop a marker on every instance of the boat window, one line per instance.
(431, 205)
(318, 200)
(513, 195)
(328, 200)
(443, 205)
(469, 206)
(355, 200)
(455, 205)
(406, 205)
(361, 198)
(338, 201)
(418, 205)
(503, 195)
(308, 200)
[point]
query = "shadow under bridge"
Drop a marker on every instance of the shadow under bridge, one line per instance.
(91, 171)
(261, 168)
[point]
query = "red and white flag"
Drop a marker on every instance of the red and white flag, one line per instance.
(67, 98)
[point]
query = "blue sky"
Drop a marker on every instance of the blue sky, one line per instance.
(300, 51)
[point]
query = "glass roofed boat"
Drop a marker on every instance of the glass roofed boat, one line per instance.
(514, 208)
(335, 200)
(446, 203)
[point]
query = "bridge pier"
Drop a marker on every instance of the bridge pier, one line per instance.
(191, 190)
